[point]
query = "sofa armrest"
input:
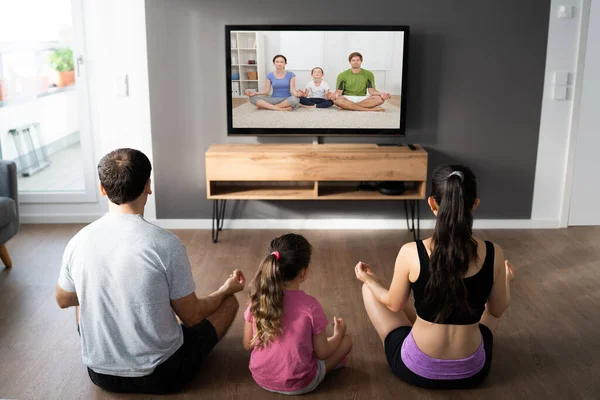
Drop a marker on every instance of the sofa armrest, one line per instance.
(8, 181)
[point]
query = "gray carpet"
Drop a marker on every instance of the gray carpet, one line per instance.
(248, 116)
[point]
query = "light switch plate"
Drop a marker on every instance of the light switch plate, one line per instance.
(559, 93)
(561, 78)
(122, 85)
(565, 12)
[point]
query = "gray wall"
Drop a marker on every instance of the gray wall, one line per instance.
(476, 73)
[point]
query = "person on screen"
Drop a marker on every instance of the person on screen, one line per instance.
(316, 92)
(284, 96)
(461, 288)
(355, 88)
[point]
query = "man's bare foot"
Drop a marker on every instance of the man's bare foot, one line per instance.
(380, 109)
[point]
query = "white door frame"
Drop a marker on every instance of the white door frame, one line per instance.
(573, 130)
(85, 131)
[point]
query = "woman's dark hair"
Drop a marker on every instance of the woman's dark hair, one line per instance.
(266, 289)
(454, 189)
(313, 70)
(124, 174)
(280, 55)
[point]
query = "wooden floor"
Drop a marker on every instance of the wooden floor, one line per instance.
(548, 346)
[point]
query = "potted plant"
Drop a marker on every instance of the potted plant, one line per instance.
(62, 61)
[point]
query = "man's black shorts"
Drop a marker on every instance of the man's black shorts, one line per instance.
(174, 373)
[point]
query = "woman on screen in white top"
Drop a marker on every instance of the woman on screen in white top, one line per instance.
(316, 94)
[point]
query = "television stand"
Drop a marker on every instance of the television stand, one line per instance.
(308, 172)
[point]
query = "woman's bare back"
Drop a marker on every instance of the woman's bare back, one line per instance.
(447, 342)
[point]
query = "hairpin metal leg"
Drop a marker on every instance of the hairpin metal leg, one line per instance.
(218, 218)
(411, 210)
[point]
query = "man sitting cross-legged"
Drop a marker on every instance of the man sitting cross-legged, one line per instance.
(131, 280)
(352, 87)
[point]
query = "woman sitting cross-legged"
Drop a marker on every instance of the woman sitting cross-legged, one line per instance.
(460, 285)
(284, 96)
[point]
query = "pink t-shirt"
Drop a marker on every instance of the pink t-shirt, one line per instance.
(288, 363)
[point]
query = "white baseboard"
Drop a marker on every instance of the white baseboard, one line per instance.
(350, 223)
(396, 224)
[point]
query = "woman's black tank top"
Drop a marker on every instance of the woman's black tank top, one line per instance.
(479, 287)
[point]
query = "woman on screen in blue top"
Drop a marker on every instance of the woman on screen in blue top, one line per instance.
(284, 96)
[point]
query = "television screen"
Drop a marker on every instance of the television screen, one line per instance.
(316, 80)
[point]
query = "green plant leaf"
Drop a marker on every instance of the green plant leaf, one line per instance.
(61, 59)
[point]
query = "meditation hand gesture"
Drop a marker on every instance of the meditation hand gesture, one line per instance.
(363, 272)
(249, 93)
(510, 274)
(339, 327)
(235, 283)
(300, 93)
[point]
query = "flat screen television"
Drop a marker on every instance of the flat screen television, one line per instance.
(316, 80)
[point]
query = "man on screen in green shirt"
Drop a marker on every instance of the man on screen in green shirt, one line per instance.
(355, 88)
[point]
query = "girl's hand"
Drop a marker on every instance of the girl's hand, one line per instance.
(510, 274)
(339, 326)
(363, 272)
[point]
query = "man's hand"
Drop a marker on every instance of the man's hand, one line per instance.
(333, 96)
(235, 283)
(385, 96)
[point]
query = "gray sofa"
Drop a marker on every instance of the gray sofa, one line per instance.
(9, 207)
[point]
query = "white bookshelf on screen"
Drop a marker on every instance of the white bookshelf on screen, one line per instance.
(247, 61)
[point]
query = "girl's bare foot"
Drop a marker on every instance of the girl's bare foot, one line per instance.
(304, 106)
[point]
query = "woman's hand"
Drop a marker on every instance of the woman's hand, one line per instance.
(299, 93)
(363, 272)
(510, 273)
(249, 93)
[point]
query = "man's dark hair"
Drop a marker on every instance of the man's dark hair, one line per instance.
(355, 54)
(124, 173)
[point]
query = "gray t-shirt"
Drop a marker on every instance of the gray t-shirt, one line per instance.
(125, 271)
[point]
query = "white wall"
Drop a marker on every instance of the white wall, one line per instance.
(555, 137)
(330, 50)
(115, 37)
(586, 188)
